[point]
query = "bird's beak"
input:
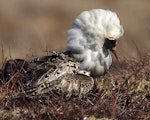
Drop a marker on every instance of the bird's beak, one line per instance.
(113, 50)
(111, 45)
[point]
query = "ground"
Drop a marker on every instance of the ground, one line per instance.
(123, 93)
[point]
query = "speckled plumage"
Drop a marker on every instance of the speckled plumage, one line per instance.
(64, 78)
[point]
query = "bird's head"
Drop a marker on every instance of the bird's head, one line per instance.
(111, 45)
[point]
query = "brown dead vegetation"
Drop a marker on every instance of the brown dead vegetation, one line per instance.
(123, 93)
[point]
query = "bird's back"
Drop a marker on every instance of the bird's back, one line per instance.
(63, 78)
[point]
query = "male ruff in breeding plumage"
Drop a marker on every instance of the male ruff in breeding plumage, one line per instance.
(93, 35)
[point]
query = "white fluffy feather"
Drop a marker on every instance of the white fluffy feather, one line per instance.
(86, 38)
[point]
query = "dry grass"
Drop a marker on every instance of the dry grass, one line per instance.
(123, 93)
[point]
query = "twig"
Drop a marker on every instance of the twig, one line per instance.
(113, 102)
(90, 102)
(19, 72)
(2, 50)
(10, 53)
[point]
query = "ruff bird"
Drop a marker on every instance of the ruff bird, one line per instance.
(93, 35)
(62, 77)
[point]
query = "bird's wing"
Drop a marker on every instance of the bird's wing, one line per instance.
(65, 78)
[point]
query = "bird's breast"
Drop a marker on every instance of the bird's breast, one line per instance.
(96, 62)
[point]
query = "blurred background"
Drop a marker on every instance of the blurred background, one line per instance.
(32, 26)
